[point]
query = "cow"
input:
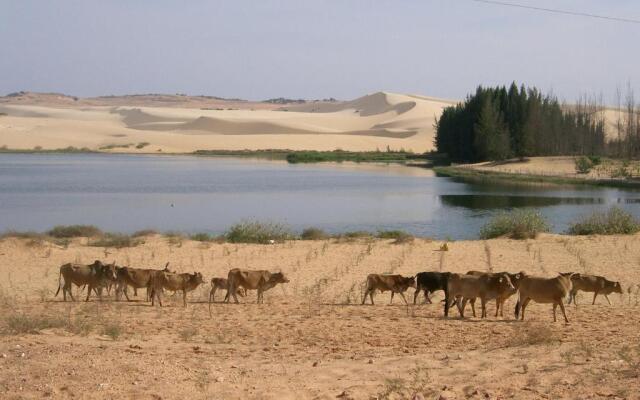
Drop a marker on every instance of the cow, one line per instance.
(429, 282)
(137, 278)
(95, 276)
(260, 280)
(221, 283)
(593, 283)
(465, 287)
(394, 283)
(544, 290)
(500, 297)
(174, 281)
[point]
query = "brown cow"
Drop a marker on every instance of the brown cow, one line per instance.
(500, 297)
(172, 281)
(462, 288)
(394, 283)
(95, 276)
(593, 283)
(252, 280)
(137, 278)
(221, 283)
(544, 290)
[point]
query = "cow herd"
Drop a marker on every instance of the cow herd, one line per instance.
(459, 289)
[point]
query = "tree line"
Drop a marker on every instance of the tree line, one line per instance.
(497, 123)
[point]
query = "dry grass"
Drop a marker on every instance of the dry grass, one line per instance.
(531, 334)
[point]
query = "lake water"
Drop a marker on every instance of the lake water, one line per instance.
(125, 193)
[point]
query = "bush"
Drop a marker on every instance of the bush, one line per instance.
(142, 145)
(23, 235)
(399, 236)
(116, 240)
(583, 165)
(313, 234)
(616, 221)
(258, 232)
(595, 160)
(144, 232)
(517, 224)
(73, 231)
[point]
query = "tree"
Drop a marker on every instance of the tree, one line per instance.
(491, 133)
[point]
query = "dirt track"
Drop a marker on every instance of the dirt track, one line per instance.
(310, 340)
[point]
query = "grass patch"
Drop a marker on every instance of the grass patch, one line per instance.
(517, 224)
(314, 234)
(113, 329)
(38, 149)
(353, 156)
(116, 240)
(616, 221)
(73, 231)
(533, 334)
(16, 324)
(258, 232)
(116, 146)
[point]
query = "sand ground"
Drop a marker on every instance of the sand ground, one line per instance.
(311, 339)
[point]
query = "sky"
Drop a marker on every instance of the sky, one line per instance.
(314, 49)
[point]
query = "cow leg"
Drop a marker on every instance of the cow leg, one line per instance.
(607, 297)
(555, 305)
(88, 292)
(68, 289)
(415, 295)
(259, 295)
(473, 306)
(135, 292)
(391, 302)
(371, 297)
(426, 297)
(462, 306)
(483, 304)
(564, 314)
(523, 306)
(499, 306)
(594, 297)
(233, 293)
(403, 298)
(184, 297)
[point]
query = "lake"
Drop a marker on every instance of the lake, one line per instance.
(125, 193)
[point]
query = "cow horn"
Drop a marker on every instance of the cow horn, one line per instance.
(166, 266)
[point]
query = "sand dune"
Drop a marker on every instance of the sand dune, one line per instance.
(377, 121)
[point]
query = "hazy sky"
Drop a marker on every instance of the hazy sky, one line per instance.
(313, 49)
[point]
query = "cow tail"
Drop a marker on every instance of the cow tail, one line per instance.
(60, 283)
(517, 312)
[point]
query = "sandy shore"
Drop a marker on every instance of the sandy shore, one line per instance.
(311, 339)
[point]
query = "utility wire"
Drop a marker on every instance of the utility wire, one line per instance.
(557, 11)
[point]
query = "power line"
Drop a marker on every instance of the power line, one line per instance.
(557, 11)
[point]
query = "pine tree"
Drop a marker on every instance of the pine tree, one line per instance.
(491, 134)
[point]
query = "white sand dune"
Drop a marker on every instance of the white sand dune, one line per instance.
(376, 121)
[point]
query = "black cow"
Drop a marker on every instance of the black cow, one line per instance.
(429, 282)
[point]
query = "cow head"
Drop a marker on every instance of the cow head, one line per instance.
(110, 271)
(278, 277)
(409, 282)
(196, 278)
(503, 283)
(516, 278)
(617, 288)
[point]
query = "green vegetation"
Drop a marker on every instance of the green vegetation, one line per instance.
(270, 154)
(499, 123)
(479, 176)
(258, 232)
(73, 231)
(399, 236)
(314, 234)
(144, 232)
(116, 240)
(39, 149)
(116, 146)
(616, 221)
(583, 165)
(206, 237)
(516, 224)
(341, 155)
(142, 145)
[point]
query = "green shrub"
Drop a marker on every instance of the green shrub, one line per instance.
(142, 145)
(517, 224)
(258, 232)
(616, 221)
(314, 234)
(583, 165)
(72, 231)
(144, 232)
(23, 235)
(595, 160)
(116, 240)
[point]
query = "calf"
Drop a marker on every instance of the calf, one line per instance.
(500, 297)
(185, 282)
(394, 283)
(593, 283)
(429, 282)
(260, 280)
(221, 283)
(95, 276)
(486, 287)
(544, 290)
